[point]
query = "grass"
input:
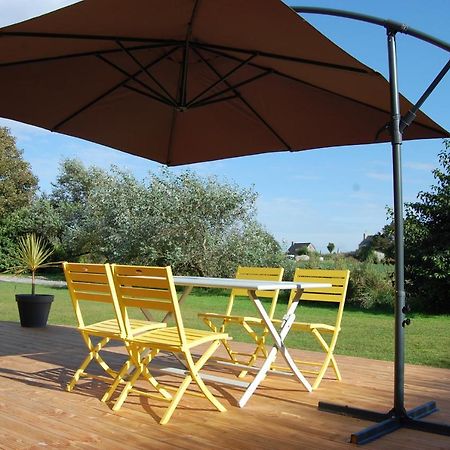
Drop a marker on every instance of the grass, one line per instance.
(364, 334)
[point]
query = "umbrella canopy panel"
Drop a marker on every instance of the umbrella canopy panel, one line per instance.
(187, 81)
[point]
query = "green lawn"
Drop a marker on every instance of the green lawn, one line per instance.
(364, 334)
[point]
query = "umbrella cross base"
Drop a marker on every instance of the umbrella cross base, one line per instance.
(387, 423)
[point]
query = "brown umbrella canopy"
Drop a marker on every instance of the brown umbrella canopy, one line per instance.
(184, 81)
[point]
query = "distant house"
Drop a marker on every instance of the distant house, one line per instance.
(366, 242)
(298, 248)
(367, 245)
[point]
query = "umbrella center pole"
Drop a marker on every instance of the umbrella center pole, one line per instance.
(397, 417)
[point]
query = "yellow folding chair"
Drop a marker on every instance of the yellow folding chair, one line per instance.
(91, 284)
(219, 322)
(153, 288)
(335, 294)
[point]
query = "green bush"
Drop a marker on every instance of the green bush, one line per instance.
(371, 286)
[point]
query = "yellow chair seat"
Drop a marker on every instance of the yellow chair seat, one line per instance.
(169, 338)
(110, 328)
(231, 319)
(305, 326)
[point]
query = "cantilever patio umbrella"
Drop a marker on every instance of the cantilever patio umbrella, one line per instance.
(186, 81)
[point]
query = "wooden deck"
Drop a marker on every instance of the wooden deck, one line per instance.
(36, 412)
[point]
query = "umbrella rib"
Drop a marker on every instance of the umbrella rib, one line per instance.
(89, 37)
(172, 42)
(246, 103)
(227, 75)
(185, 65)
(133, 77)
(110, 90)
(283, 57)
(79, 55)
(148, 94)
(307, 83)
(149, 74)
(182, 83)
(232, 87)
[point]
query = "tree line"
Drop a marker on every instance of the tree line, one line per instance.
(198, 225)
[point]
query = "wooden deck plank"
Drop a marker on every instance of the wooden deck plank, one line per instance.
(36, 412)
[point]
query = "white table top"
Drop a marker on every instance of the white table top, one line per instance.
(235, 283)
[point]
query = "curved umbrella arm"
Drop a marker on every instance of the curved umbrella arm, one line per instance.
(390, 25)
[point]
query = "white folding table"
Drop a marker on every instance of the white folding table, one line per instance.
(279, 336)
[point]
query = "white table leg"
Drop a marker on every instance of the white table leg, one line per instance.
(288, 319)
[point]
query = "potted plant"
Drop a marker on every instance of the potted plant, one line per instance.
(32, 255)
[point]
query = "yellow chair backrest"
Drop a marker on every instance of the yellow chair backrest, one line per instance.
(257, 273)
(148, 288)
(90, 283)
(336, 293)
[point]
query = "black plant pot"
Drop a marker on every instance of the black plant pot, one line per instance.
(34, 309)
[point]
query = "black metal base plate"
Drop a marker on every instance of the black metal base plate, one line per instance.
(388, 422)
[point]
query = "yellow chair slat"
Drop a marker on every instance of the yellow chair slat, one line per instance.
(135, 292)
(84, 267)
(232, 319)
(87, 277)
(159, 305)
(139, 271)
(93, 296)
(321, 297)
(336, 288)
(142, 281)
(81, 286)
(259, 294)
(169, 338)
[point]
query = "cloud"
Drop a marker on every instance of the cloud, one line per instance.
(420, 166)
(380, 176)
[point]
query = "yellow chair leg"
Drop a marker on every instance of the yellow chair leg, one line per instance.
(153, 381)
(329, 358)
(194, 368)
(176, 399)
(127, 388)
(120, 376)
(93, 354)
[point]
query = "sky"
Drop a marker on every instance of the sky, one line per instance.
(318, 196)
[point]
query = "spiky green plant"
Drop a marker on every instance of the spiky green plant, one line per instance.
(32, 254)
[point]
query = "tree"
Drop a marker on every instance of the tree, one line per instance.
(18, 185)
(196, 224)
(70, 200)
(330, 247)
(427, 242)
